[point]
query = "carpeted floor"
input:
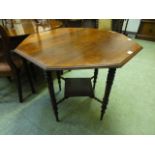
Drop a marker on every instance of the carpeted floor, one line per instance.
(131, 108)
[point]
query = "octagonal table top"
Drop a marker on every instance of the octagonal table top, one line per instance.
(78, 48)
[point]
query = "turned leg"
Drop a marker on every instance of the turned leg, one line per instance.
(95, 77)
(59, 79)
(52, 94)
(110, 78)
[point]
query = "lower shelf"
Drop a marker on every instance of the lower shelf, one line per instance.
(78, 87)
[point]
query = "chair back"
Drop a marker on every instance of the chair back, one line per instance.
(5, 53)
(4, 42)
(117, 25)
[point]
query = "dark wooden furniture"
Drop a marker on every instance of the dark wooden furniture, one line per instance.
(146, 29)
(11, 65)
(78, 48)
(73, 22)
(20, 29)
(117, 25)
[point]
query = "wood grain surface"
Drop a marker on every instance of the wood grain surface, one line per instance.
(78, 48)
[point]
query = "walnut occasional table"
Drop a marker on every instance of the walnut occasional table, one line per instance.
(78, 48)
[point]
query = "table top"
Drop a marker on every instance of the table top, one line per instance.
(78, 48)
(26, 27)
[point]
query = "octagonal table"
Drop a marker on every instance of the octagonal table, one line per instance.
(78, 48)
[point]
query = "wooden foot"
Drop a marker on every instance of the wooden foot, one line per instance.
(110, 78)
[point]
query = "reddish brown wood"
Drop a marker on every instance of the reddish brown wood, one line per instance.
(74, 48)
(78, 48)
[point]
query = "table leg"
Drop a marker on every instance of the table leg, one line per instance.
(52, 94)
(110, 78)
(19, 85)
(59, 79)
(95, 77)
(29, 76)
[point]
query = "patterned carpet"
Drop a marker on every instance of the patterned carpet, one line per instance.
(131, 108)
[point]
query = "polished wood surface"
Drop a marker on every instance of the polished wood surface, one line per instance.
(26, 27)
(75, 48)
